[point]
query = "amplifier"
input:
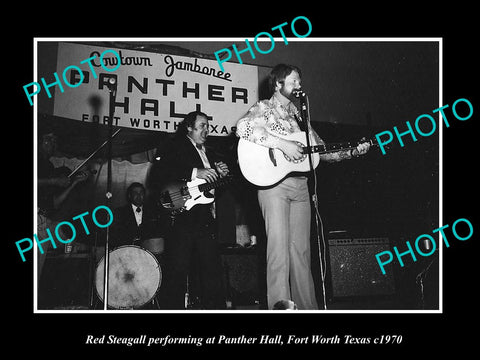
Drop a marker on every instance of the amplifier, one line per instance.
(354, 269)
(243, 277)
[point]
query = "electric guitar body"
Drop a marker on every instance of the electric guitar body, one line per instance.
(179, 196)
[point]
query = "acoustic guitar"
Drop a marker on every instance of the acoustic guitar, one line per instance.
(263, 166)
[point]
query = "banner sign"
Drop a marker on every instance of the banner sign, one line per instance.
(154, 91)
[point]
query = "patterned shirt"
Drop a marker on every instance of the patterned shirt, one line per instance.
(267, 119)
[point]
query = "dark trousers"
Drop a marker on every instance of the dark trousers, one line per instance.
(192, 253)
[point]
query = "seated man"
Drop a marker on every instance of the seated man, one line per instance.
(137, 223)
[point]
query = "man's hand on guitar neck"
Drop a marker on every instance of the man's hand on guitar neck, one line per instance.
(210, 175)
(361, 149)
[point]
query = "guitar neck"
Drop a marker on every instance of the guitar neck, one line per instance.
(333, 147)
(215, 184)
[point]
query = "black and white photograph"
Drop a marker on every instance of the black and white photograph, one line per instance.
(242, 204)
(270, 188)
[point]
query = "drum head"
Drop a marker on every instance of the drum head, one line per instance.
(134, 277)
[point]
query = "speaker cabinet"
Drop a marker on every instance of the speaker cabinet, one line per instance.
(65, 283)
(354, 269)
(242, 277)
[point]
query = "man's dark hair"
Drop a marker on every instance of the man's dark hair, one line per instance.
(131, 187)
(189, 121)
(279, 73)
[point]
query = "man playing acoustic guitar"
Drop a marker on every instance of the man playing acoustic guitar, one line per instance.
(286, 205)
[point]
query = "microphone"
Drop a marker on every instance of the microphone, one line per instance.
(298, 93)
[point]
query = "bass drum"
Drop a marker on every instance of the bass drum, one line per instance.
(134, 277)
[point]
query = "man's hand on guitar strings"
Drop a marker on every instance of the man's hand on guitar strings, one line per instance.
(222, 168)
(291, 149)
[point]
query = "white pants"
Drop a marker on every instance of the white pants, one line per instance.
(286, 211)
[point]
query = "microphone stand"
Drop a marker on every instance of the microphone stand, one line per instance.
(92, 277)
(306, 125)
(91, 155)
(112, 87)
(305, 119)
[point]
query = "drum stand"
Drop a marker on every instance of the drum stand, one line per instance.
(155, 303)
(190, 301)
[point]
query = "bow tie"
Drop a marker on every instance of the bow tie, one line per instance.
(199, 147)
(138, 209)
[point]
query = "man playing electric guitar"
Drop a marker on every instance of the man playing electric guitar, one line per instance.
(192, 231)
(286, 206)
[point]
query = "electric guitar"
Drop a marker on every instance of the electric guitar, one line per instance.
(179, 196)
(263, 166)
